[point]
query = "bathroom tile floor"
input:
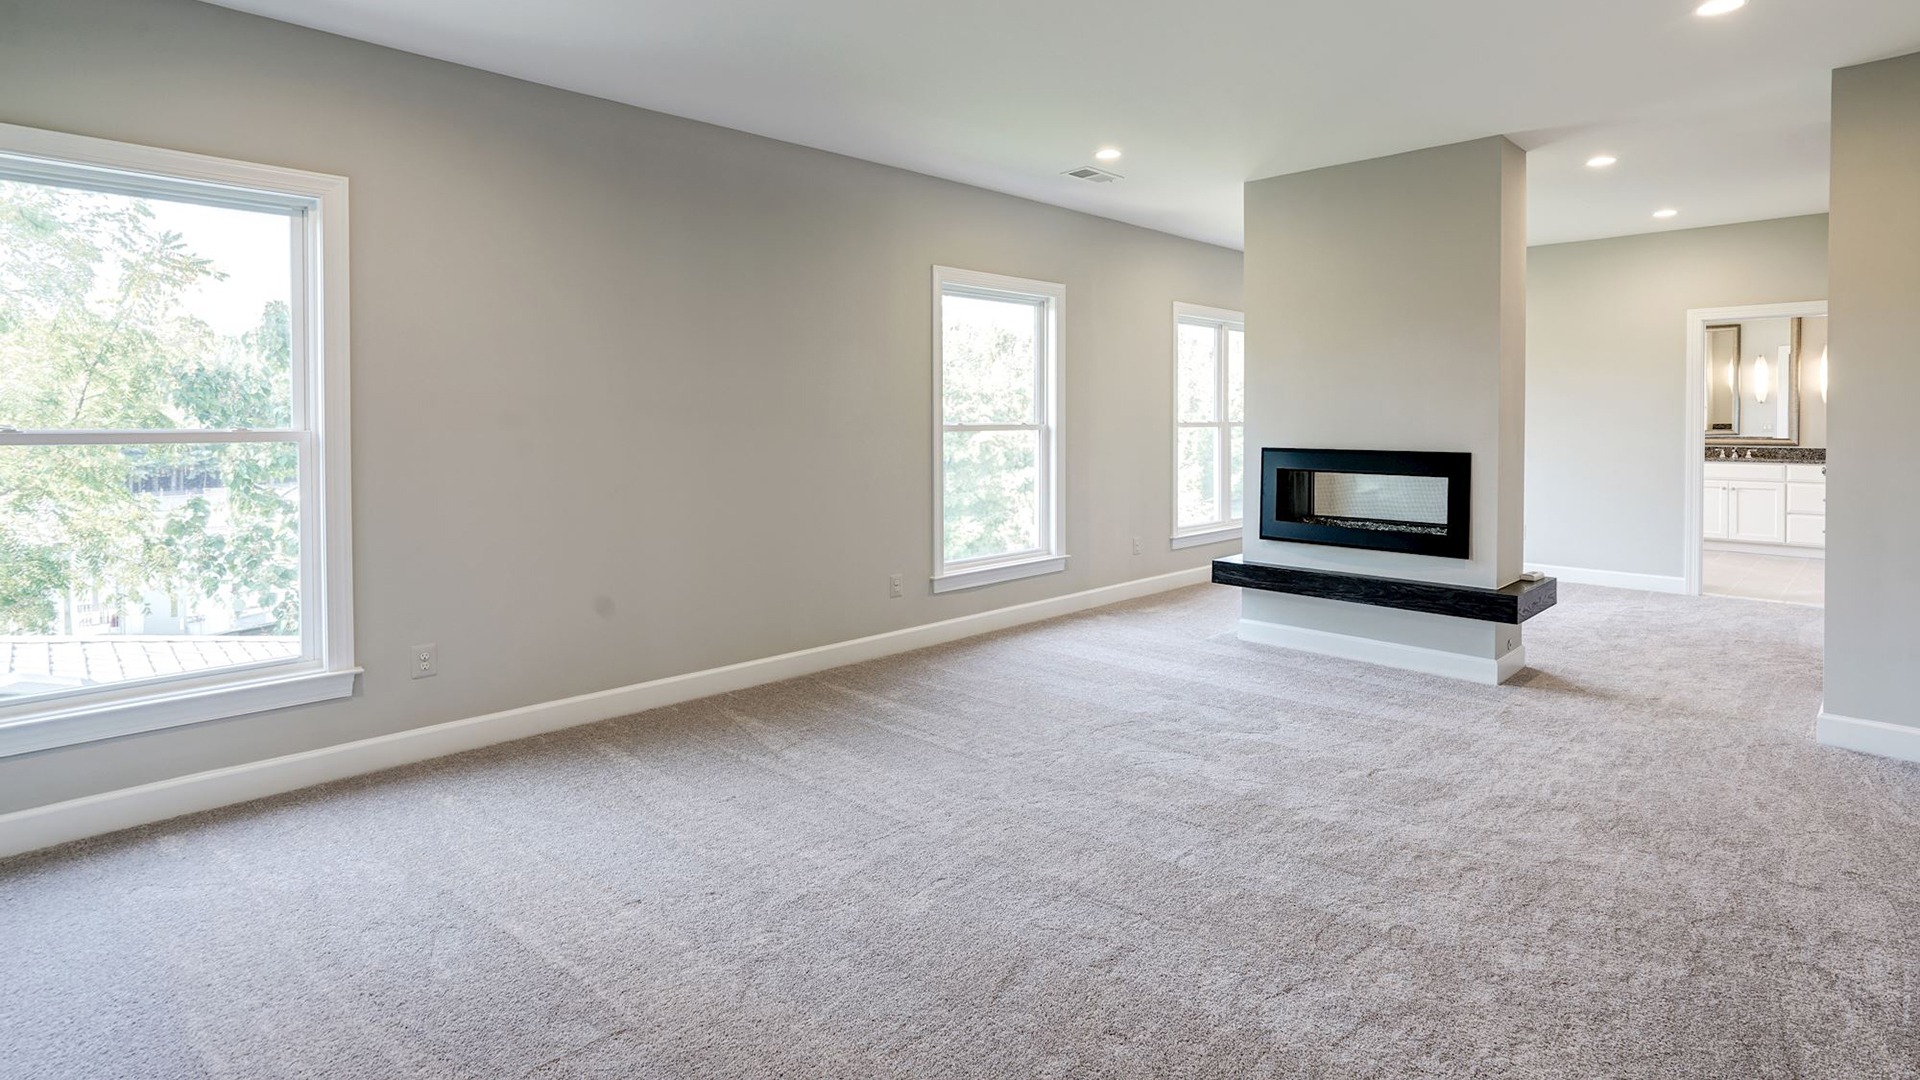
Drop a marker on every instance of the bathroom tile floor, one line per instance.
(1765, 577)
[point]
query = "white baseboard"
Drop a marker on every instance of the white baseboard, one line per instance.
(1617, 579)
(1876, 737)
(1785, 551)
(94, 815)
(1479, 669)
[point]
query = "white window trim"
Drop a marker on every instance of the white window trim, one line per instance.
(1052, 557)
(1226, 528)
(321, 395)
(1203, 535)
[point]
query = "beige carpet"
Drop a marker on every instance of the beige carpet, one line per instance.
(1118, 845)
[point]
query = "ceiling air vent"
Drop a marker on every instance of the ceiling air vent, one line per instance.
(1093, 175)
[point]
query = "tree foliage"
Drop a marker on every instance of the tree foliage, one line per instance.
(95, 332)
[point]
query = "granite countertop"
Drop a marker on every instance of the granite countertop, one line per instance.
(1797, 455)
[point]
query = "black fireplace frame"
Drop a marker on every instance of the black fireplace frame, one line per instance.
(1282, 521)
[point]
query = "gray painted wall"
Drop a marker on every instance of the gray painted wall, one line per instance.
(1873, 491)
(1606, 378)
(633, 395)
(1386, 310)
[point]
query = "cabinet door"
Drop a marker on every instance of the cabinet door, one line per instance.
(1713, 511)
(1756, 511)
(1807, 530)
(1806, 498)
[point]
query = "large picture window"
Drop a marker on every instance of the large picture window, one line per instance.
(1209, 433)
(172, 439)
(997, 391)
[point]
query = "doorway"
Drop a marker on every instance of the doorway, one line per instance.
(1756, 452)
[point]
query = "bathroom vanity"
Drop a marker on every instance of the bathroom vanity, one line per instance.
(1766, 383)
(1774, 501)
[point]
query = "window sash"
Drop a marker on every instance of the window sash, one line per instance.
(132, 690)
(300, 433)
(1225, 432)
(311, 653)
(302, 292)
(1225, 429)
(1047, 300)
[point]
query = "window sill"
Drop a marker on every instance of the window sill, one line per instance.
(954, 581)
(1203, 537)
(160, 709)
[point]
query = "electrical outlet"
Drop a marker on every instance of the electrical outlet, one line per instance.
(1137, 549)
(896, 586)
(425, 660)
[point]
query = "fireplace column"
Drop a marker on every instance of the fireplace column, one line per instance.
(1385, 308)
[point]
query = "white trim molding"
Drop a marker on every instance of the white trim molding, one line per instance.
(1694, 432)
(94, 815)
(1787, 551)
(1900, 742)
(156, 710)
(1479, 669)
(995, 573)
(1616, 579)
(1223, 534)
(1182, 309)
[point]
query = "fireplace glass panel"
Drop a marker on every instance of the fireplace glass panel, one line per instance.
(1364, 497)
(1412, 501)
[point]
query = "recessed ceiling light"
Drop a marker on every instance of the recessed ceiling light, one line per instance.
(1667, 213)
(1106, 153)
(1719, 7)
(1601, 161)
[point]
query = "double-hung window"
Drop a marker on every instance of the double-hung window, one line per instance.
(1209, 454)
(173, 443)
(997, 347)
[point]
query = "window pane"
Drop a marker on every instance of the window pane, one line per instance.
(1198, 390)
(1236, 375)
(1238, 477)
(131, 562)
(990, 360)
(1198, 481)
(992, 493)
(118, 312)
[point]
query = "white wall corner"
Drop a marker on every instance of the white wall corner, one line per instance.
(1900, 742)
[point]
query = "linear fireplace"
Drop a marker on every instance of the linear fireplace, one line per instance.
(1416, 502)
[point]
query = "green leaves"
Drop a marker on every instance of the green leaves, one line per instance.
(245, 383)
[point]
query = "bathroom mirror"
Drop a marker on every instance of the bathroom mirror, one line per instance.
(1753, 382)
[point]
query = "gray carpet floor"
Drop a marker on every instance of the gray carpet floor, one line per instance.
(1123, 844)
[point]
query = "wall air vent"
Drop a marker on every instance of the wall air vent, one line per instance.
(1093, 175)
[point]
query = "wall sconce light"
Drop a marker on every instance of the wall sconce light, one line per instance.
(1733, 374)
(1823, 376)
(1761, 385)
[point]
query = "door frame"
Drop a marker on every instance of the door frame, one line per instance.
(1695, 437)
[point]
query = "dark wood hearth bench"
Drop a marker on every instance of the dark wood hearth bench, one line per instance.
(1516, 603)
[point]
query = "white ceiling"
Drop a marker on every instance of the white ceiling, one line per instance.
(1724, 119)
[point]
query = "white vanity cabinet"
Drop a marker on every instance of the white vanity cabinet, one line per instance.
(1756, 511)
(1764, 503)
